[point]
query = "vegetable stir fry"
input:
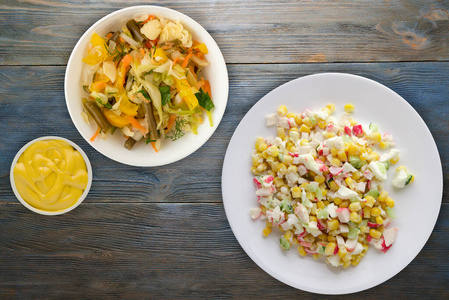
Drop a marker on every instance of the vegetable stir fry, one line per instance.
(145, 80)
(321, 183)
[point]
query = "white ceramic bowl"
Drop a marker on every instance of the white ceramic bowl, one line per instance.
(43, 212)
(141, 154)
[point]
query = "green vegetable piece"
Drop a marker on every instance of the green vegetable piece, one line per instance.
(391, 212)
(373, 192)
(321, 249)
(135, 31)
(107, 105)
(97, 115)
(284, 243)
(165, 94)
(353, 233)
(322, 213)
(130, 142)
(356, 162)
(178, 132)
(285, 206)
(373, 128)
(409, 179)
(387, 165)
(145, 94)
(204, 100)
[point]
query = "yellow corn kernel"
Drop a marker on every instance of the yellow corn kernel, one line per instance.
(316, 256)
(353, 149)
(322, 124)
(320, 204)
(381, 229)
(298, 119)
(369, 201)
(294, 241)
(383, 196)
(345, 203)
(282, 110)
(356, 175)
(290, 115)
(303, 142)
(349, 108)
(309, 238)
(262, 167)
(289, 144)
(274, 165)
(304, 128)
(273, 151)
(383, 145)
(355, 217)
(375, 234)
(375, 211)
(292, 149)
(288, 235)
(389, 202)
(379, 220)
(367, 212)
(324, 191)
(373, 156)
(313, 218)
(333, 224)
(259, 141)
(331, 238)
(354, 206)
(322, 237)
(336, 162)
(254, 171)
(288, 159)
(319, 178)
(346, 258)
(330, 248)
(278, 182)
(346, 264)
(394, 160)
(292, 169)
(282, 169)
(333, 232)
(280, 132)
(262, 147)
(355, 261)
(328, 134)
(306, 121)
(376, 136)
(352, 122)
(350, 182)
(337, 200)
(296, 192)
(334, 151)
(302, 251)
(342, 155)
(256, 160)
(342, 252)
(266, 232)
(330, 107)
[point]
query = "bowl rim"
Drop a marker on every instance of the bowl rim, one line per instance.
(193, 26)
(40, 211)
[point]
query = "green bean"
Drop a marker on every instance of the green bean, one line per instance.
(116, 37)
(135, 31)
(130, 143)
(97, 115)
(152, 125)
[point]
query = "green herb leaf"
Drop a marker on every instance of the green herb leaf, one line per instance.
(165, 94)
(177, 133)
(107, 105)
(149, 140)
(145, 94)
(204, 100)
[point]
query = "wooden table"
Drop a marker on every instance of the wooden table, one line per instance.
(162, 232)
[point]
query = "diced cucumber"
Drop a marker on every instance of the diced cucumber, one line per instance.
(353, 233)
(285, 206)
(409, 179)
(387, 165)
(391, 212)
(284, 243)
(373, 193)
(356, 162)
(373, 128)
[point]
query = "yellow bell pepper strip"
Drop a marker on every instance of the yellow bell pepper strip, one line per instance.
(186, 93)
(126, 106)
(160, 53)
(114, 119)
(202, 48)
(98, 52)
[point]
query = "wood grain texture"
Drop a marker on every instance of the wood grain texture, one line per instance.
(148, 250)
(424, 85)
(44, 32)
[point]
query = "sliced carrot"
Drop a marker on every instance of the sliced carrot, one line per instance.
(150, 18)
(142, 51)
(206, 87)
(193, 72)
(175, 61)
(171, 121)
(98, 86)
(126, 60)
(153, 144)
(95, 134)
(186, 60)
(137, 125)
(109, 35)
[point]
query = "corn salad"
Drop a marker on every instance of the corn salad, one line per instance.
(319, 183)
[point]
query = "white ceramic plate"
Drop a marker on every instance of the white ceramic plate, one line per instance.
(373, 103)
(141, 154)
